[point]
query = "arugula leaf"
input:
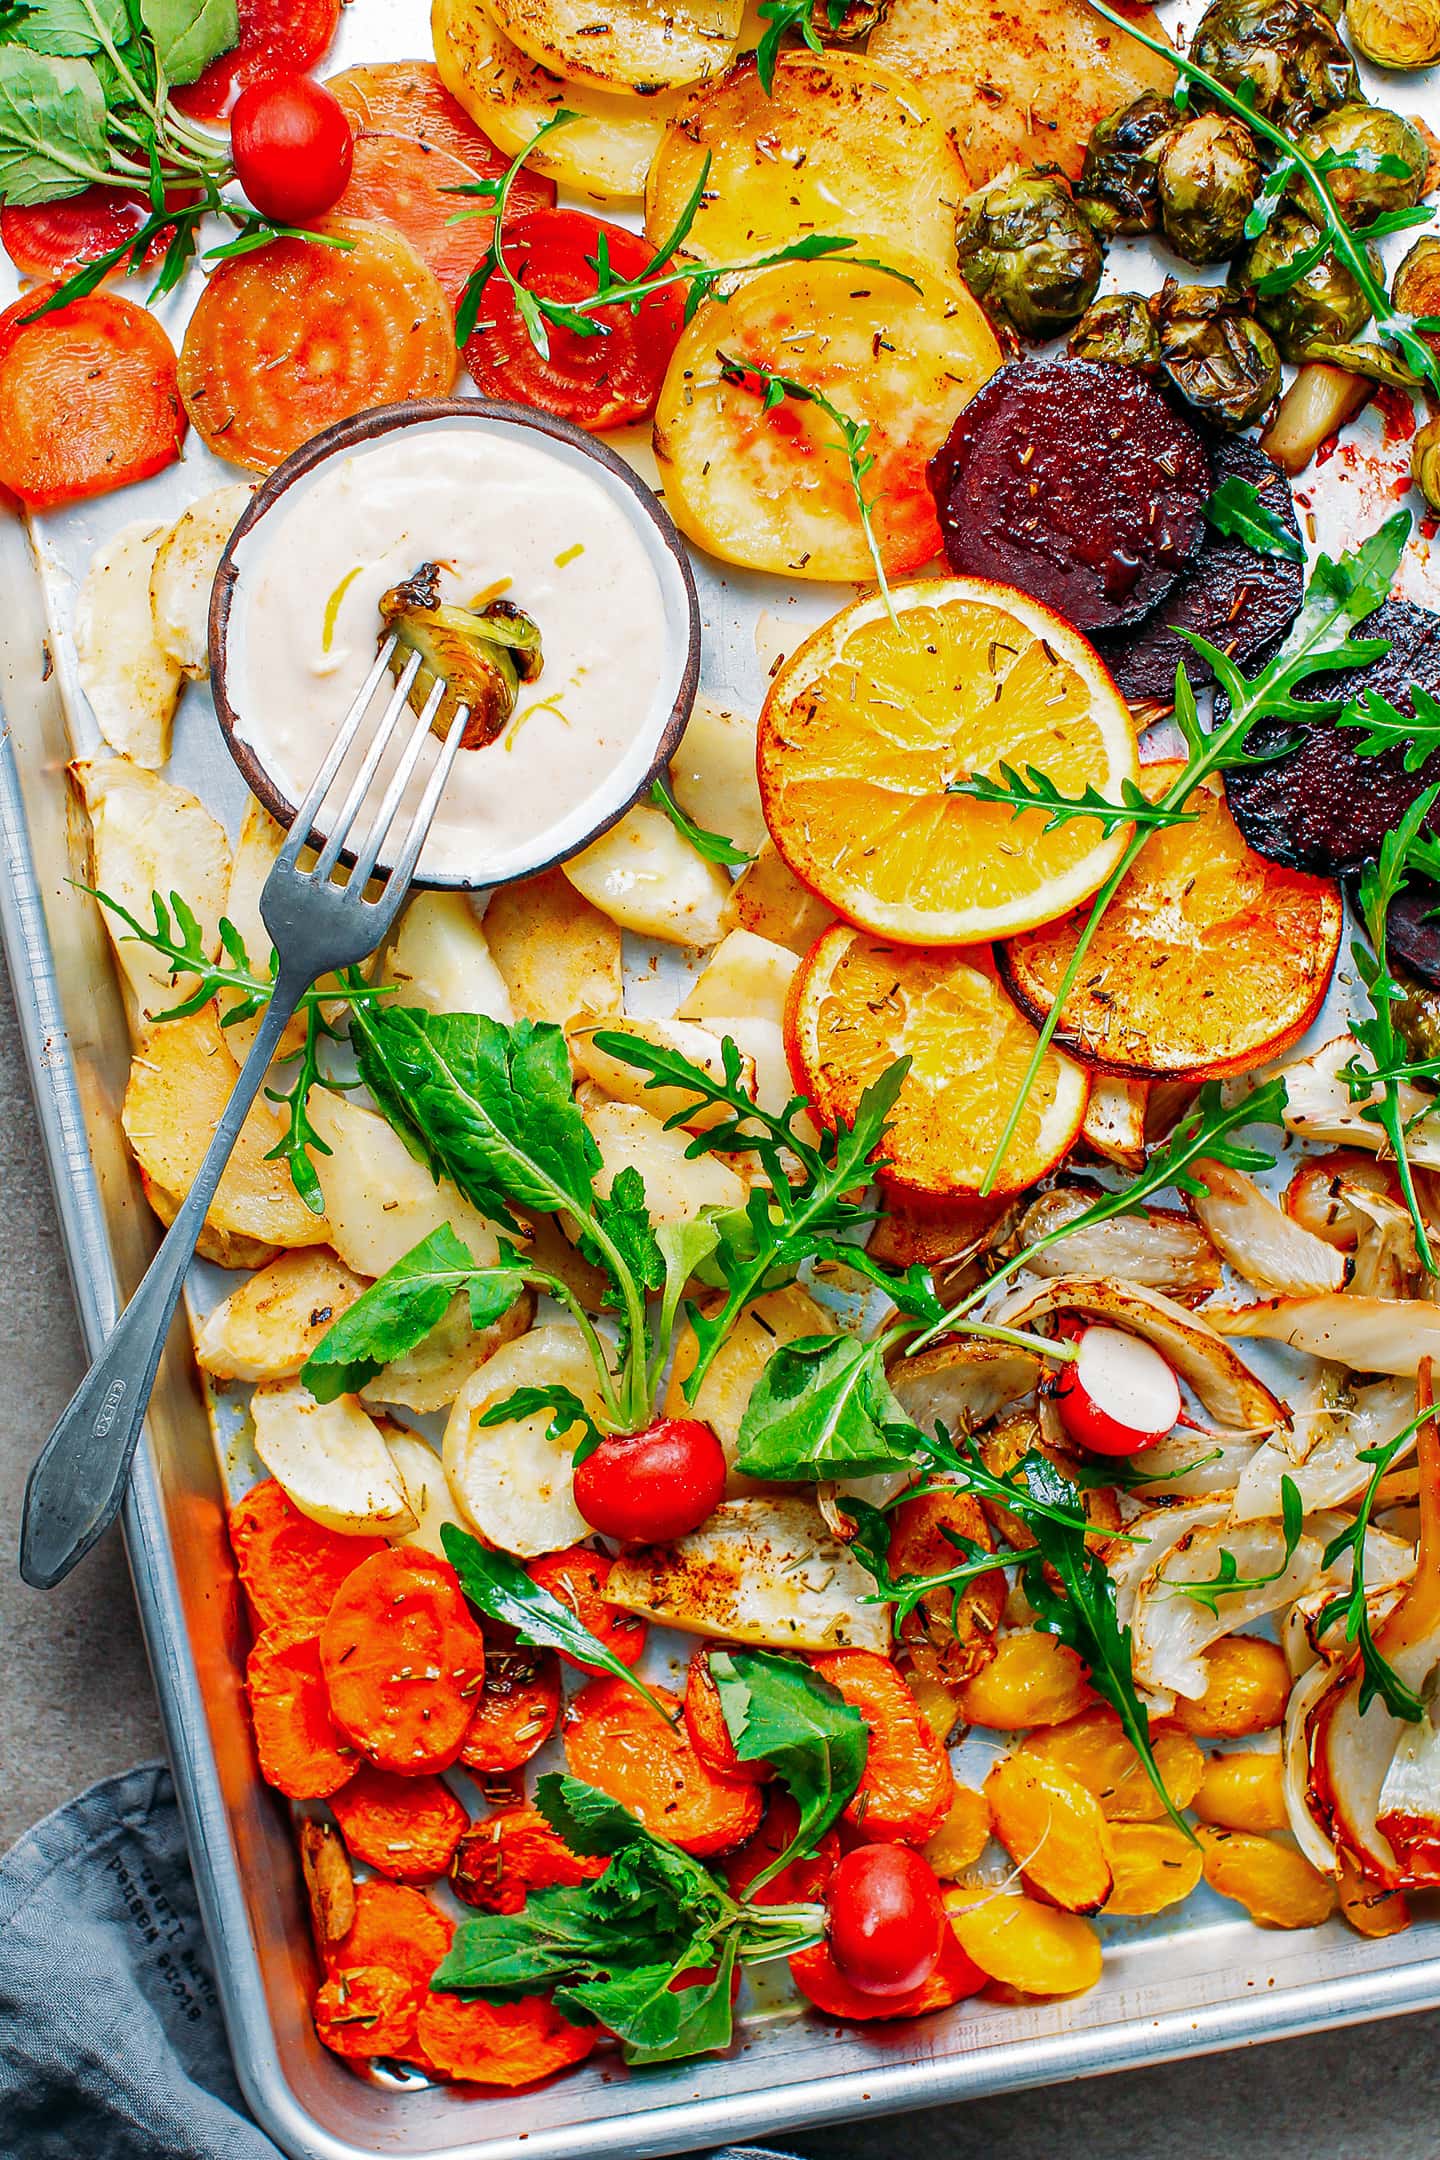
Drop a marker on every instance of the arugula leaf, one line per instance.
(871, 1547)
(500, 1588)
(1387, 728)
(821, 1408)
(779, 16)
(1378, 1676)
(395, 1314)
(52, 126)
(712, 845)
(567, 1412)
(1032, 790)
(778, 1711)
(1237, 509)
(189, 34)
(1227, 1581)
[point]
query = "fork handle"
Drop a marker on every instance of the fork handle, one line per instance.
(78, 1480)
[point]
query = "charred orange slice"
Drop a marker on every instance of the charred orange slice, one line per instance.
(1208, 961)
(857, 1004)
(870, 724)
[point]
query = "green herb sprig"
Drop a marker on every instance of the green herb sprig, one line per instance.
(1237, 509)
(1378, 1676)
(783, 16)
(1033, 790)
(714, 846)
(1417, 734)
(1227, 1581)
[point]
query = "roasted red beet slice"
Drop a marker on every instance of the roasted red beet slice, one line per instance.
(1240, 600)
(1413, 936)
(1075, 482)
(1325, 807)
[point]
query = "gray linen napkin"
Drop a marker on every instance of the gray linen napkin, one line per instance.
(111, 2041)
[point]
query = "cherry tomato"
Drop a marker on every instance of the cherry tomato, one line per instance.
(598, 382)
(1117, 1395)
(651, 1486)
(293, 147)
(887, 1922)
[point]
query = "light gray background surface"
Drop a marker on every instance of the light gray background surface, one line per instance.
(75, 1703)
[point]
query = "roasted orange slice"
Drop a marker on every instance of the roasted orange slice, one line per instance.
(1208, 961)
(871, 722)
(857, 1004)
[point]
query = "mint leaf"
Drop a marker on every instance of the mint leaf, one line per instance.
(189, 34)
(1237, 509)
(779, 1711)
(397, 1313)
(52, 127)
(820, 1409)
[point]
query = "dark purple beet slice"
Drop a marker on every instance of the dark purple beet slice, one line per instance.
(1077, 483)
(1414, 940)
(1325, 807)
(1240, 600)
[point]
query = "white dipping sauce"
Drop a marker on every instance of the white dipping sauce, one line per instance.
(499, 507)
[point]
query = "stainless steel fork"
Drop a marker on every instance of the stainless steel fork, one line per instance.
(78, 1481)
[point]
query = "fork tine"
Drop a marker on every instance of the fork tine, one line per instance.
(359, 788)
(305, 810)
(420, 824)
(367, 853)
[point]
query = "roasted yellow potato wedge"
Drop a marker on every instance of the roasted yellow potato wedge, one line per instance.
(770, 901)
(183, 576)
(556, 954)
(712, 774)
(268, 1327)
(331, 1459)
(840, 147)
(649, 879)
(441, 961)
(605, 151)
(741, 992)
(771, 489)
(1275, 1883)
(512, 1481)
(381, 1201)
(639, 45)
(1023, 1944)
(1155, 1865)
(180, 1081)
(145, 837)
(1019, 81)
(126, 671)
(1053, 1829)
(427, 1492)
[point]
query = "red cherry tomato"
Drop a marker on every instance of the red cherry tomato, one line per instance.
(598, 382)
(887, 1922)
(293, 147)
(1117, 1395)
(651, 1486)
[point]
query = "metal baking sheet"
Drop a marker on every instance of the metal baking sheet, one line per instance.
(1202, 1979)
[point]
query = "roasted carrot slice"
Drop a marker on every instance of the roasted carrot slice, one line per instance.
(709, 1733)
(88, 398)
(301, 1752)
(515, 2043)
(366, 2010)
(290, 1566)
(405, 1827)
(803, 1880)
(287, 340)
(517, 1709)
(614, 1739)
(500, 1860)
(407, 97)
(817, 1976)
(960, 1629)
(396, 1928)
(277, 37)
(403, 1661)
(578, 1577)
(907, 1787)
(410, 187)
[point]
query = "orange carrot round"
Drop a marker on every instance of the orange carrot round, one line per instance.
(907, 1788)
(805, 1880)
(301, 1752)
(517, 1709)
(709, 1733)
(290, 1566)
(817, 1976)
(366, 2010)
(515, 2043)
(404, 1827)
(578, 1577)
(616, 1741)
(88, 398)
(285, 341)
(394, 1927)
(403, 1661)
(501, 1859)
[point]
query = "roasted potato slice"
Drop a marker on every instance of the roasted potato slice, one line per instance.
(430, 1376)
(556, 953)
(512, 1481)
(677, 1185)
(839, 146)
(769, 900)
(640, 45)
(427, 1491)
(1020, 1943)
(180, 1081)
(605, 151)
(1019, 82)
(441, 961)
(267, 1328)
(1277, 1885)
(645, 876)
(183, 575)
(1155, 1865)
(742, 992)
(145, 837)
(331, 1459)
(712, 774)
(129, 676)
(1053, 1829)
(772, 489)
(380, 1200)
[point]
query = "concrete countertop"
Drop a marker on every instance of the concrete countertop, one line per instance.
(76, 1704)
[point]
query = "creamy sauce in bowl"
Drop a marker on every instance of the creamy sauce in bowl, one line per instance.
(509, 508)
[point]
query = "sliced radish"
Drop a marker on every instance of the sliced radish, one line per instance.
(1118, 1394)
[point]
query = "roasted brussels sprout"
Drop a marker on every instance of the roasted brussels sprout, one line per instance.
(1323, 305)
(1119, 329)
(1215, 355)
(841, 22)
(1417, 281)
(1208, 177)
(1117, 183)
(1417, 1014)
(1395, 33)
(1377, 138)
(481, 655)
(1028, 255)
(1425, 462)
(1288, 53)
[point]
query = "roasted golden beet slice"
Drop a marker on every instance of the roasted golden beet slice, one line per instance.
(1326, 806)
(1075, 482)
(1237, 598)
